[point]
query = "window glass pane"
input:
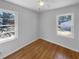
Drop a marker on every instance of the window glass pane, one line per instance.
(7, 24)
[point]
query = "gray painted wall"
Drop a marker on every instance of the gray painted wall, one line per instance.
(48, 27)
(27, 28)
(32, 25)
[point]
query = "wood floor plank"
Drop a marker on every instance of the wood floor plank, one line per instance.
(42, 49)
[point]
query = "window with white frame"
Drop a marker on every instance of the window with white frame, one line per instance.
(7, 24)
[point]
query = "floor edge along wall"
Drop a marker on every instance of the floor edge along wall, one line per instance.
(39, 44)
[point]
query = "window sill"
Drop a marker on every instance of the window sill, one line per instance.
(6, 39)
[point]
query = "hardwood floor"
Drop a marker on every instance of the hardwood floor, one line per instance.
(41, 49)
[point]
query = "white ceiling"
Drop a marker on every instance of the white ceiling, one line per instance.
(49, 4)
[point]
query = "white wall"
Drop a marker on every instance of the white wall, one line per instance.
(27, 28)
(48, 27)
(32, 25)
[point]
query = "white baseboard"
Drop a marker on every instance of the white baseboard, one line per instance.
(61, 45)
(19, 48)
(43, 39)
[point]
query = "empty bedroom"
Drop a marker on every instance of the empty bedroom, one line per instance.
(39, 29)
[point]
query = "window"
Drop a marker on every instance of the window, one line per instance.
(7, 25)
(65, 25)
